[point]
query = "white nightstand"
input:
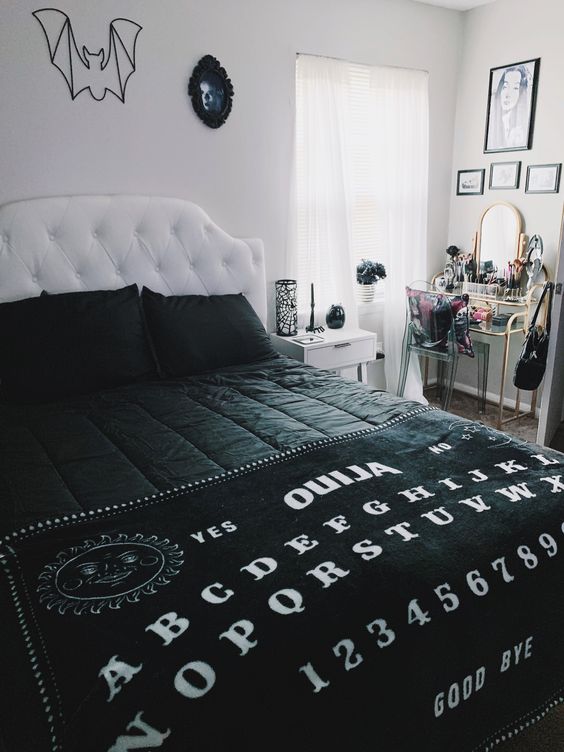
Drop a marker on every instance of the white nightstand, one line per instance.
(333, 349)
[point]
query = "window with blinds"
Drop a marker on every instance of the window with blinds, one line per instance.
(366, 221)
(367, 237)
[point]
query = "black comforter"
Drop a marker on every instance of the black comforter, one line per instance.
(132, 441)
(324, 567)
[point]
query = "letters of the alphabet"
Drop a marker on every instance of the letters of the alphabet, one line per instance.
(517, 492)
(328, 573)
(151, 737)
(117, 673)
(169, 626)
(204, 671)
(239, 633)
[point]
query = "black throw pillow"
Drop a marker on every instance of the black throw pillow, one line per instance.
(195, 333)
(56, 346)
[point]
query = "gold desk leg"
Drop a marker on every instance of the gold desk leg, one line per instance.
(503, 377)
(533, 403)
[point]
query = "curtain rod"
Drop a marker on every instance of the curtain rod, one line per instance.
(355, 62)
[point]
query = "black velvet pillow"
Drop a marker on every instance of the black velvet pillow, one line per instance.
(55, 346)
(195, 333)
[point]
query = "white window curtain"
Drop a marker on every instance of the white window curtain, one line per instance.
(361, 174)
(323, 250)
(401, 114)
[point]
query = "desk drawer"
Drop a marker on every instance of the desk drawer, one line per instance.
(342, 354)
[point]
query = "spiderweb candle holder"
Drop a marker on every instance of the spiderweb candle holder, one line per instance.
(286, 307)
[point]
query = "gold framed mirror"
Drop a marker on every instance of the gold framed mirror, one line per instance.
(499, 238)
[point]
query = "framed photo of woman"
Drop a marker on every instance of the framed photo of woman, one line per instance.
(511, 106)
(211, 92)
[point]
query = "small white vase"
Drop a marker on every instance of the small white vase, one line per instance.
(366, 293)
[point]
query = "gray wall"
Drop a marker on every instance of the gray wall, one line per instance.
(501, 33)
(154, 143)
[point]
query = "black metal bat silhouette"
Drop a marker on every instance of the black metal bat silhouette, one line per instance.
(95, 71)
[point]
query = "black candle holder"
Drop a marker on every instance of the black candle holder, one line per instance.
(312, 328)
(286, 307)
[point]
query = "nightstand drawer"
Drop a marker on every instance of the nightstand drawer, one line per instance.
(342, 354)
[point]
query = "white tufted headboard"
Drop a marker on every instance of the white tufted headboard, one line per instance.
(68, 243)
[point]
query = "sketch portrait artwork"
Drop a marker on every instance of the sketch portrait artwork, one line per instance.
(543, 178)
(504, 175)
(211, 92)
(511, 106)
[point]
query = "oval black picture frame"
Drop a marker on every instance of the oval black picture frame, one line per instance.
(211, 92)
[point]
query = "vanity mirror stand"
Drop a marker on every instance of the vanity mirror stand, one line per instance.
(501, 302)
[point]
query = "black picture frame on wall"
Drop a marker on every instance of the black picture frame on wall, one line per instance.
(543, 178)
(470, 182)
(510, 116)
(504, 175)
(211, 92)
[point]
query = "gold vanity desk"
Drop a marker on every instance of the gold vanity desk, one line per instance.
(519, 313)
(500, 239)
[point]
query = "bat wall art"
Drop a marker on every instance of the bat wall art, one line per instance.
(99, 72)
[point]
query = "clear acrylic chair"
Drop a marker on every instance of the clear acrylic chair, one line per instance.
(437, 328)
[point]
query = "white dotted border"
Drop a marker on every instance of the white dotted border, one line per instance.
(516, 727)
(34, 658)
(109, 511)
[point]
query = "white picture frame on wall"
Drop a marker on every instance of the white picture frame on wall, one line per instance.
(504, 175)
(470, 182)
(544, 178)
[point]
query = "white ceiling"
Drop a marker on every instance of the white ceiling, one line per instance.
(456, 4)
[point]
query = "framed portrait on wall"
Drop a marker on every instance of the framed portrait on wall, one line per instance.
(470, 182)
(510, 115)
(211, 92)
(504, 175)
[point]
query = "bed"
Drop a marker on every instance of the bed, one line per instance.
(256, 555)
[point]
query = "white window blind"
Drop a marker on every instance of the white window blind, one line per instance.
(361, 185)
(366, 236)
(366, 221)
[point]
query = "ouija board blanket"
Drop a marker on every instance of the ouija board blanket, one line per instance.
(394, 588)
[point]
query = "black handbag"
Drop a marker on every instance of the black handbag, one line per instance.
(531, 364)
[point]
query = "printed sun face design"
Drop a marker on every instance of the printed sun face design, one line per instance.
(102, 570)
(107, 572)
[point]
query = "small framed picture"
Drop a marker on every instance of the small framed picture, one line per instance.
(510, 115)
(543, 178)
(504, 175)
(470, 182)
(211, 92)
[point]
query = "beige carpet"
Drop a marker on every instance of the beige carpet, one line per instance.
(525, 428)
(466, 405)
